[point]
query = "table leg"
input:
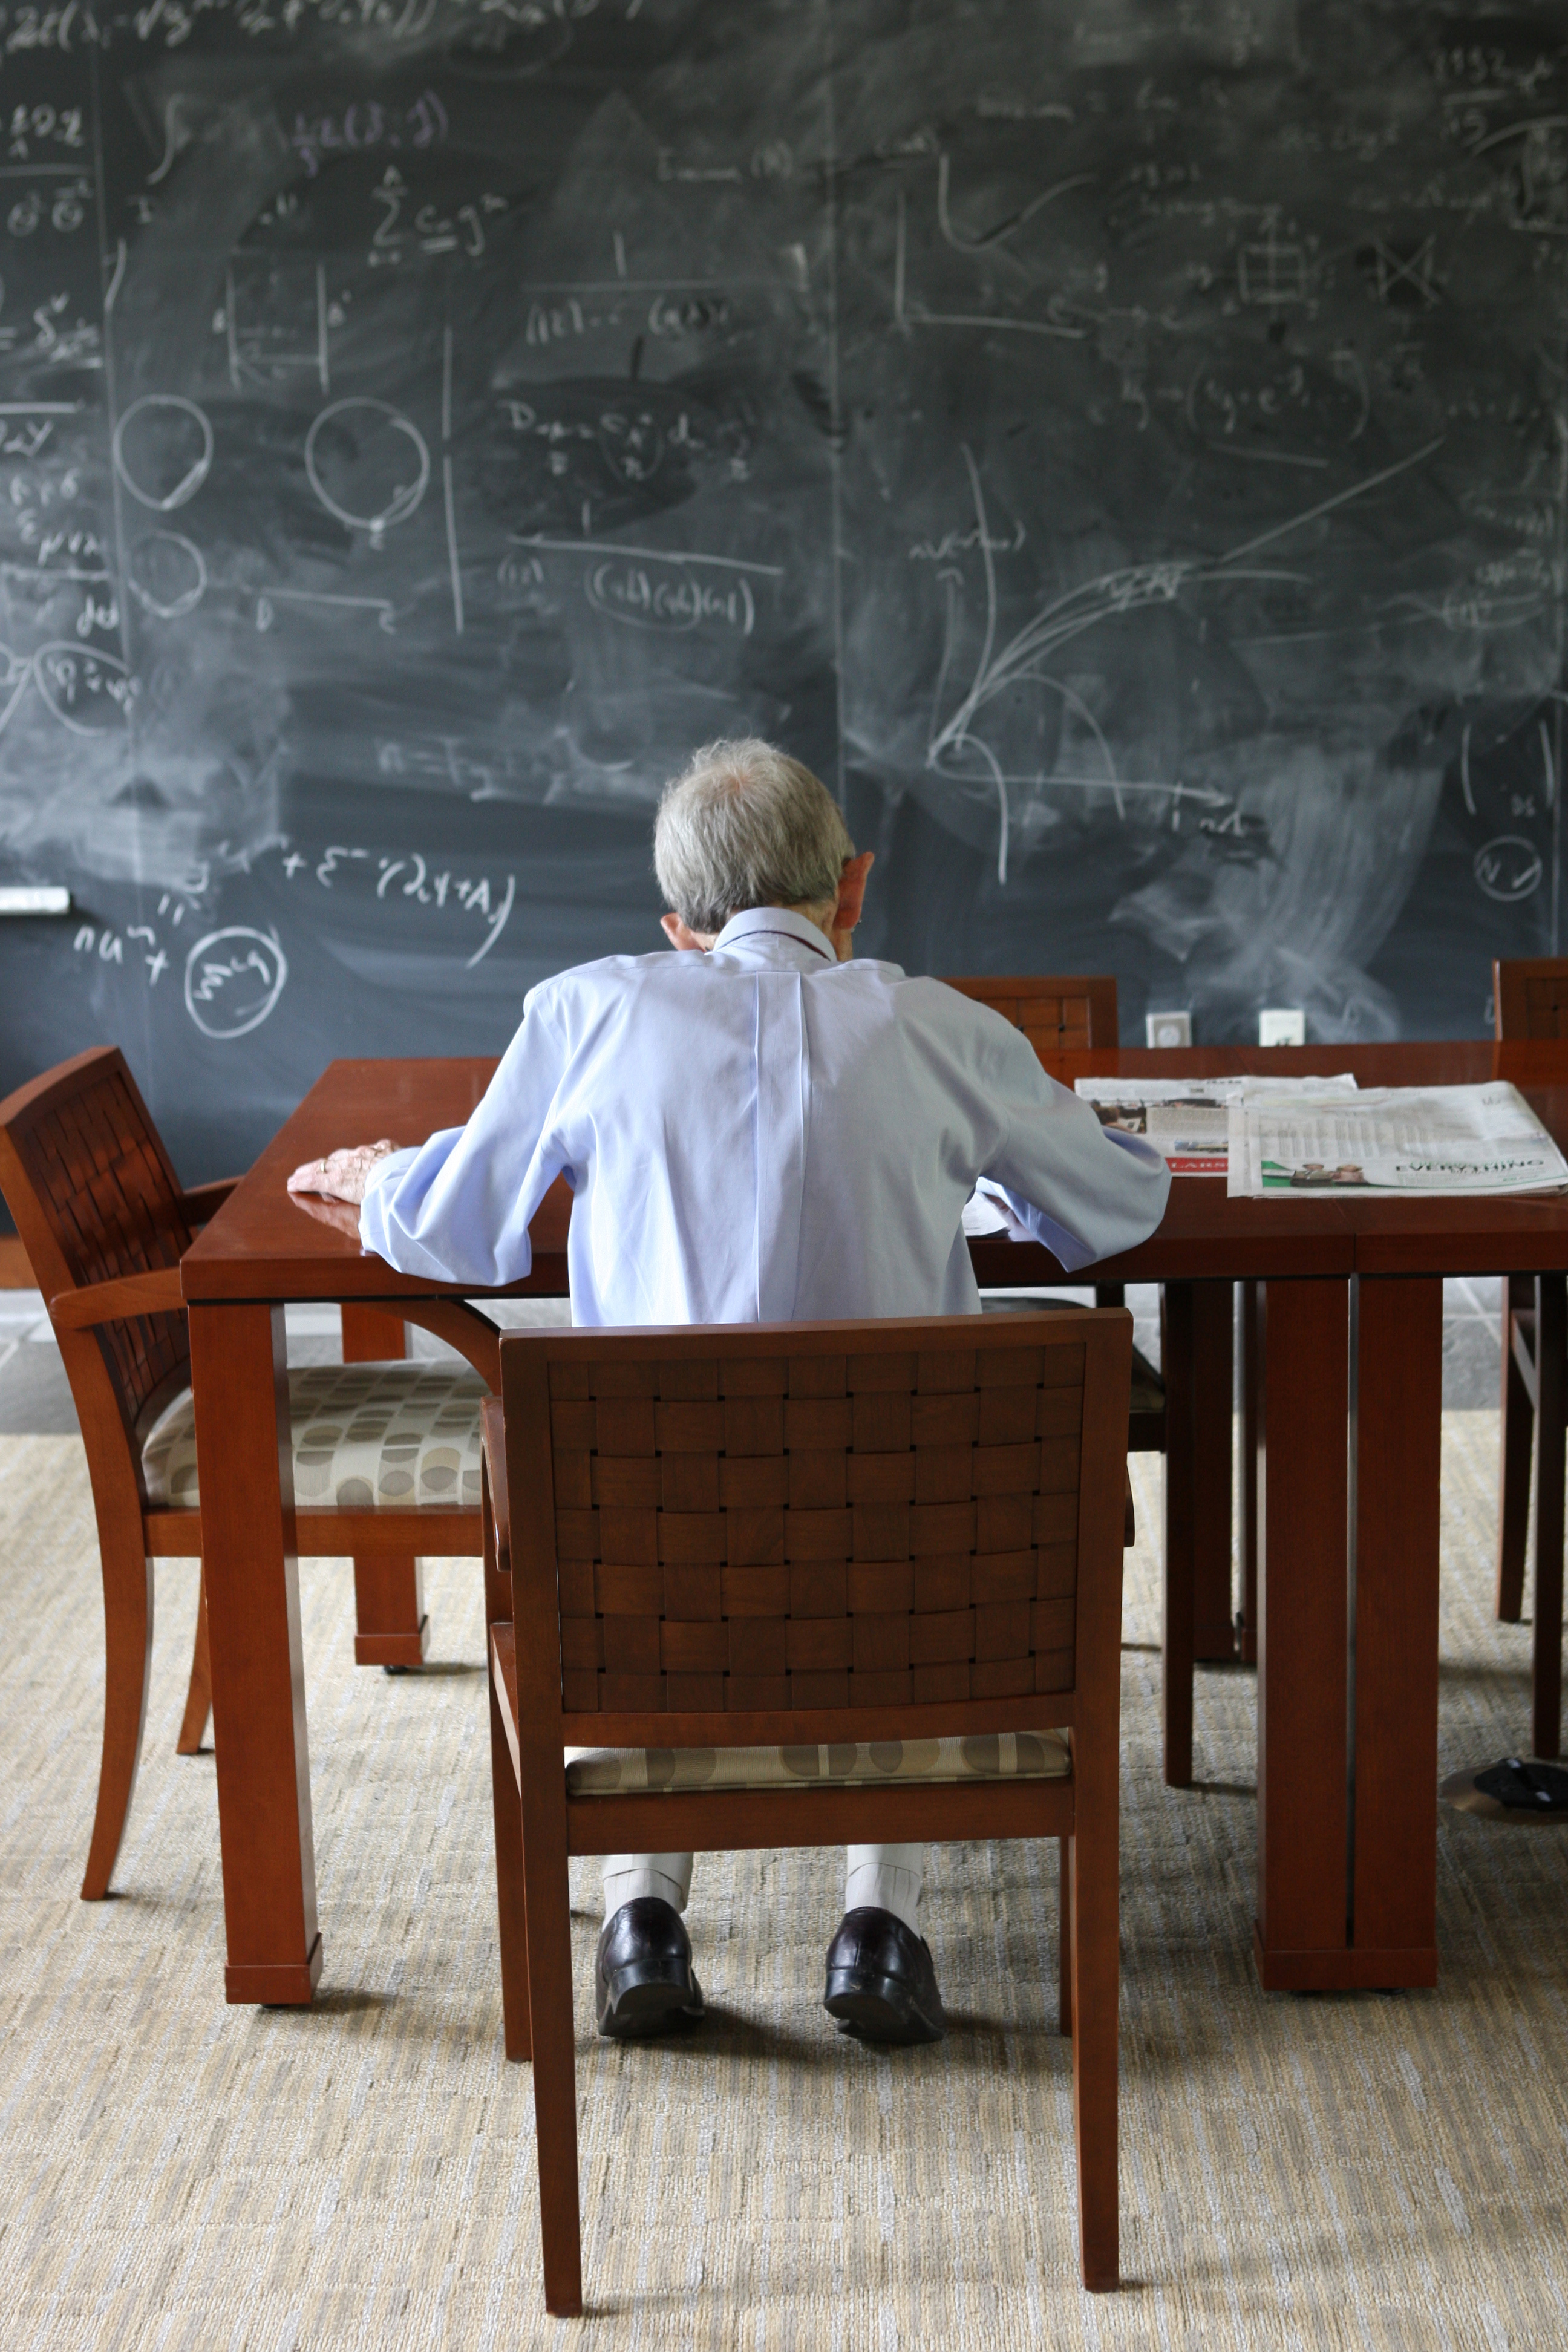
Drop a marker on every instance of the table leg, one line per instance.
(1196, 1366)
(240, 1380)
(1177, 1598)
(1518, 1430)
(1246, 1620)
(1214, 1421)
(1546, 1670)
(1301, 1937)
(390, 1626)
(1396, 1364)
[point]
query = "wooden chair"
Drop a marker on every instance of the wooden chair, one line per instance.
(1066, 1014)
(724, 1540)
(1530, 998)
(1057, 1012)
(106, 1221)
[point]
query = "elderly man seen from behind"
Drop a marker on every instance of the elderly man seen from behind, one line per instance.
(756, 1129)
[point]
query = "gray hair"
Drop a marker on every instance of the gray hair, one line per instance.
(745, 825)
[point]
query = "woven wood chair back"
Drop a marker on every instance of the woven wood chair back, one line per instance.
(802, 1520)
(87, 1178)
(1529, 997)
(1057, 1014)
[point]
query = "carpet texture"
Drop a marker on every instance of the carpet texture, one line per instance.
(1355, 2171)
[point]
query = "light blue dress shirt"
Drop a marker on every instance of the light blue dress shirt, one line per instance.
(760, 1134)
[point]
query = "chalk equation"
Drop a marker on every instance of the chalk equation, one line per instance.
(408, 875)
(52, 130)
(366, 124)
(634, 593)
(409, 226)
(630, 442)
(675, 591)
(87, 691)
(56, 334)
(60, 210)
(169, 24)
(233, 976)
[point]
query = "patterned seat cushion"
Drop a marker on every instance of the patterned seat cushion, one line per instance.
(995, 1756)
(365, 1436)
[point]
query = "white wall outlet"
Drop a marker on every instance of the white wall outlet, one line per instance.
(1281, 1027)
(1168, 1028)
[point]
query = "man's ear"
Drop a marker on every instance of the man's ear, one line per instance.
(851, 899)
(678, 934)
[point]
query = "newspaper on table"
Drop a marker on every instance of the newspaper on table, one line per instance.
(1185, 1119)
(1188, 1119)
(1430, 1140)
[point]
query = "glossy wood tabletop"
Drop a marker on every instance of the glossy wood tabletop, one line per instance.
(267, 1244)
(264, 1243)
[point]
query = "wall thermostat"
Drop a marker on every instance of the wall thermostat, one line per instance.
(1168, 1028)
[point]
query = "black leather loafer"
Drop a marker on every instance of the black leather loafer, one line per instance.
(880, 1981)
(644, 1981)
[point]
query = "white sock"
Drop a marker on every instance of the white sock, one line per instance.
(628, 1876)
(888, 1878)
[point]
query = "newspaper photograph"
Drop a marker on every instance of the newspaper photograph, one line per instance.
(1431, 1140)
(1188, 1119)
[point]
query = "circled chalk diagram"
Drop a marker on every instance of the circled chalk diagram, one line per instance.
(167, 574)
(233, 980)
(1509, 868)
(87, 691)
(377, 419)
(169, 409)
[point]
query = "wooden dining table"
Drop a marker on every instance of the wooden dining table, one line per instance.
(1347, 1336)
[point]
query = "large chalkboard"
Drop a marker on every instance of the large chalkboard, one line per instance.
(1122, 445)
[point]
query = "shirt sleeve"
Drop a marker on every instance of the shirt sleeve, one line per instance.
(458, 1208)
(1087, 1192)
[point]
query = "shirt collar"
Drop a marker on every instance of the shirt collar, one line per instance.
(781, 920)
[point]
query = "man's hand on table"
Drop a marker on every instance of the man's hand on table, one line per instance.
(343, 1175)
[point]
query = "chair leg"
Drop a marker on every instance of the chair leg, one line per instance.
(128, 1659)
(1094, 2007)
(547, 1904)
(1551, 1404)
(391, 1628)
(1513, 1475)
(1066, 1940)
(199, 1697)
(510, 1892)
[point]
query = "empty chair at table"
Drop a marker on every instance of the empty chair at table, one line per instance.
(1068, 1013)
(1072, 1013)
(928, 1685)
(386, 1455)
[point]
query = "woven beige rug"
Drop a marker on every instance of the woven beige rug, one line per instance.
(1305, 2172)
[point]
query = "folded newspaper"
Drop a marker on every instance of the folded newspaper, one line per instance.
(1431, 1140)
(1185, 1119)
(1188, 1119)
